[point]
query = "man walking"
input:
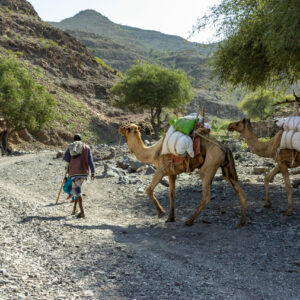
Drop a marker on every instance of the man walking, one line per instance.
(80, 160)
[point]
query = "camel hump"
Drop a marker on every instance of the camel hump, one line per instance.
(159, 148)
(228, 166)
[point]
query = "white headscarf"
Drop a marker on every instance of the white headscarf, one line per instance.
(76, 148)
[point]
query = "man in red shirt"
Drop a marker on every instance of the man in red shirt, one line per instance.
(80, 160)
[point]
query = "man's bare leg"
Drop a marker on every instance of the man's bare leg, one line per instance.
(81, 214)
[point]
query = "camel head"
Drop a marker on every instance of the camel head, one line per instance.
(130, 131)
(239, 126)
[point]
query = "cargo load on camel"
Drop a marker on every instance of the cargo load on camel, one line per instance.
(178, 140)
(291, 135)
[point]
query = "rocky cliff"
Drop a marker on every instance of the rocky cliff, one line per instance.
(56, 51)
(64, 66)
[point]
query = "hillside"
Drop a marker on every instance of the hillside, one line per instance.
(144, 40)
(80, 83)
(120, 47)
(118, 56)
(66, 68)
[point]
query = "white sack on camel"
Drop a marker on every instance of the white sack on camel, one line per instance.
(290, 140)
(165, 148)
(177, 143)
(289, 123)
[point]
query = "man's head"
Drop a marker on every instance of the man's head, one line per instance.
(77, 137)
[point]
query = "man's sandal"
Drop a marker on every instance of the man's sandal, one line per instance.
(80, 215)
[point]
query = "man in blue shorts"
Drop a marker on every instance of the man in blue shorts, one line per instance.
(80, 160)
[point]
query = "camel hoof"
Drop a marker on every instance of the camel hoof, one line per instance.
(287, 213)
(189, 222)
(161, 214)
(267, 205)
(242, 223)
(170, 220)
(74, 212)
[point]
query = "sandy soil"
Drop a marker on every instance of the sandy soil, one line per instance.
(121, 250)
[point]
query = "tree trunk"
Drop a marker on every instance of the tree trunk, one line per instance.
(4, 141)
(158, 121)
(155, 120)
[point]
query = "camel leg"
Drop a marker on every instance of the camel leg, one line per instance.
(242, 198)
(267, 180)
(207, 173)
(288, 187)
(172, 194)
(150, 192)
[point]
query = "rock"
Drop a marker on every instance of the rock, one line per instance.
(260, 179)
(295, 171)
(268, 164)
(164, 182)
(146, 169)
(150, 170)
(259, 170)
(129, 180)
(218, 178)
(110, 171)
(296, 183)
(88, 293)
(123, 163)
(135, 164)
(59, 154)
(105, 154)
(141, 191)
(238, 156)
(130, 164)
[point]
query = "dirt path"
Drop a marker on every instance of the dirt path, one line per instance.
(122, 251)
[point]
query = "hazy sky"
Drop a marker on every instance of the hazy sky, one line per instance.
(175, 17)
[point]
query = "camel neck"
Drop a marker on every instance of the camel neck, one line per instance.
(263, 149)
(143, 153)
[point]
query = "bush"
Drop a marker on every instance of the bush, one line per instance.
(23, 103)
(258, 105)
(155, 88)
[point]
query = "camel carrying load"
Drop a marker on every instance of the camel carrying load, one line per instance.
(211, 156)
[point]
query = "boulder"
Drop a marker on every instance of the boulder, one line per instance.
(259, 170)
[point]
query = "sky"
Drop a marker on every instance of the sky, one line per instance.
(175, 17)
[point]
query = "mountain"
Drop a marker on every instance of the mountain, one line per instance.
(67, 66)
(122, 46)
(143, 40)
(118, 56)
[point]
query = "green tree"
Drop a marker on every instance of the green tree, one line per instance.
(260, 41)
(155, 88)
(258, 104)
(23, 103)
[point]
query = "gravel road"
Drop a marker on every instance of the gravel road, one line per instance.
(121, 250)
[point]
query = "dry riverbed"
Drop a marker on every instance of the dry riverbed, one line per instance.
(121, 250)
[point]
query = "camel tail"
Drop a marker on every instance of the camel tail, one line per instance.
(228, 167)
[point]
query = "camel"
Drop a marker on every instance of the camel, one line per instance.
(284, 158)
(212, 156)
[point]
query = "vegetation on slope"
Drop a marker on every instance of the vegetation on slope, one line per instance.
(143, 40)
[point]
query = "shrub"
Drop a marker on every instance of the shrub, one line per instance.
(23, 103)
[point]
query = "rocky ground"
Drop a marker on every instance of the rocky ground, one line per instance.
(121, 250)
